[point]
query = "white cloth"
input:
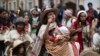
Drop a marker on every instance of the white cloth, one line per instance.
(14, 35)
(96, 39)
(63, 29)
(68, 23)
(35, 20)
(4, 35)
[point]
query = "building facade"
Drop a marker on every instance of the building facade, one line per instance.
(1, 3)
(28, 4)
(24, 4)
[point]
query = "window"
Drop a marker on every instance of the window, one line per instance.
(30, 5)
(10, 7)
(14, 5)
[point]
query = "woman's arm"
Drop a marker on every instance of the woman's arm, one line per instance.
(46, 33)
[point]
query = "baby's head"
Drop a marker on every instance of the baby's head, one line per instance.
(64, 32)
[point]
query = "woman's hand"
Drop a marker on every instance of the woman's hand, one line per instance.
(79, 29)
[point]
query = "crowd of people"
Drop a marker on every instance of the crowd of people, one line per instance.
(50, 32)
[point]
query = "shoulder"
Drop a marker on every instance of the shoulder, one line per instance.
(13, 31)
(96, 35)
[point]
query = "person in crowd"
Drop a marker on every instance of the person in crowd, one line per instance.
(81, 25)
(4, 29)
(60, 13)
(75, 46)
(96, 37)
(49, 12)
(28, 25)
(18, 49)
(18, 34)
(81, 7)
(56, 39)
(68, 19)
(35, 19)
(92, 13)
(93, 51)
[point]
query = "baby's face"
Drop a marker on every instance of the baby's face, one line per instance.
(66, 36)
(56, 32)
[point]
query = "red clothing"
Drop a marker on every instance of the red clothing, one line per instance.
(75, 50)
(80, 39)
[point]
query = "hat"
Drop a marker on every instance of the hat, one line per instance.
(82, 11)
(20, 19)
(63, 29)
(68, 12)
(35, 9)
(17, 43)
(89, 53)
(47, 11)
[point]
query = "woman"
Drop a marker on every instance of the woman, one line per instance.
(45, 15)
(82, 27)
(28, 25)
(56, 40)
(68, 20)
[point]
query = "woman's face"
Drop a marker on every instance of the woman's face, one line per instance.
(83, 17)
(26, 18)
(51, 15)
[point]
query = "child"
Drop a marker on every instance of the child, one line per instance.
(74, 45)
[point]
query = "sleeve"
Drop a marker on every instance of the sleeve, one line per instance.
(95, 39)
(95, 14)
(88, 28)
(41, 31)
(74, 25)
(8, 37)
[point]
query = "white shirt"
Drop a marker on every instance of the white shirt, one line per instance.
(96, 39)
(68, 23)
(14, 35)
(4, 35)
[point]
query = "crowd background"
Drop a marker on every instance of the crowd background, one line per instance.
(50, 32)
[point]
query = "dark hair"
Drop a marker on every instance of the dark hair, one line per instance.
(44, 21)
(81, 7)
(16, 50)
(2, 10)
(72, 34)
(80, 21)
(90, 4)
